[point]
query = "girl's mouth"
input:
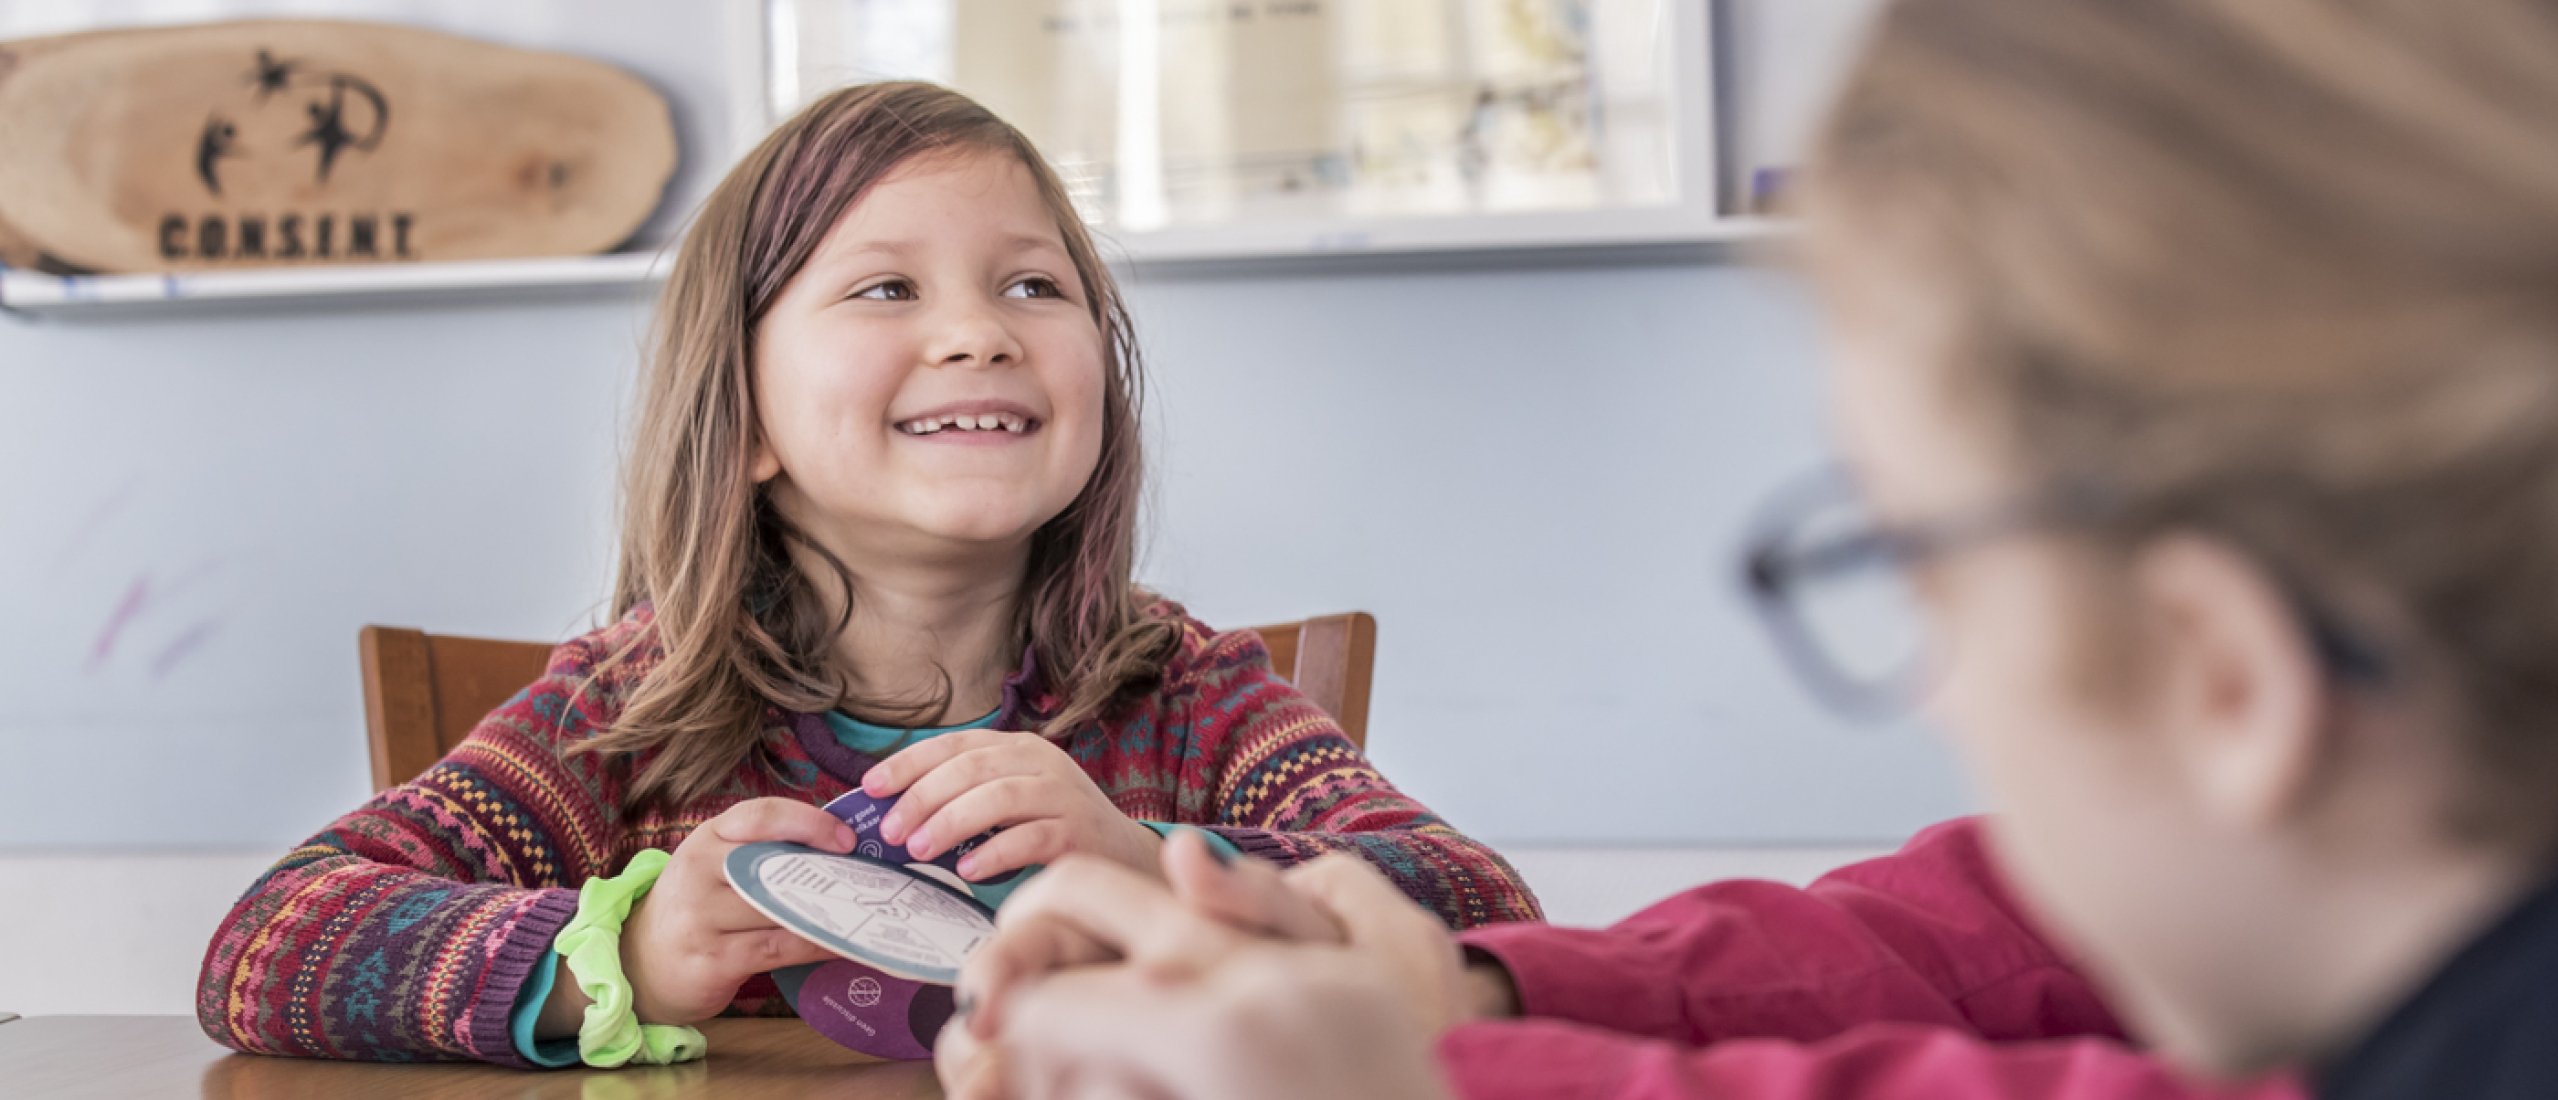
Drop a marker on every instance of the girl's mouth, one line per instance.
(965, 422)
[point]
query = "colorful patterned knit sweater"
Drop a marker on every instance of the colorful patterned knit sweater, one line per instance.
(406, 930)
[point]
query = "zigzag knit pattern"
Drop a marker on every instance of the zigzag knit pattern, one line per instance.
(405, 931)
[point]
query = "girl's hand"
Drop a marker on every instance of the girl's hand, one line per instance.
(1270, 1020)
(959, 785)
(691, 941)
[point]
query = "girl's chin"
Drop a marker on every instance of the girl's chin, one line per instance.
(984, 528)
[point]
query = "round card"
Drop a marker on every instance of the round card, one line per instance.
(866, 910)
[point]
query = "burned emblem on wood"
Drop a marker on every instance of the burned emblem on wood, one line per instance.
(346, 113)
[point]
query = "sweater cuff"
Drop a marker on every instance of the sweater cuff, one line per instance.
(549, 1054)
(1582, 974)
(1165, 830)
(1258, 843)
(522, 945)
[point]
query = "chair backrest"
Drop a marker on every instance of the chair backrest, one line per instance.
(424, 692)
(1331, 658)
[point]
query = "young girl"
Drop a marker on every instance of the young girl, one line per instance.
(2199, 372)
(880, 511)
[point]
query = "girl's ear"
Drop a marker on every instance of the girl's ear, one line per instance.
(2246, 714)
(766, 464)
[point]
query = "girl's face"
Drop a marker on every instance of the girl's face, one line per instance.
(930, 385)
(2100, 824)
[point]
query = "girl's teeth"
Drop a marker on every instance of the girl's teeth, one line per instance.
(986, 422)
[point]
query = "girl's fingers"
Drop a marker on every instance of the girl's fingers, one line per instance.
(1242, 891)
(925, 797)
(1016, 847)
(998, 802)
(908, 764)
(777, 819)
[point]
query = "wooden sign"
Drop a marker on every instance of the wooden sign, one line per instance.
(265, 143)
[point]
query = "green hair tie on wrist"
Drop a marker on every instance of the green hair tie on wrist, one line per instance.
(591, 946)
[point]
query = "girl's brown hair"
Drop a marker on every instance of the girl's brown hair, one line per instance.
(2285, 271)
(741, 631)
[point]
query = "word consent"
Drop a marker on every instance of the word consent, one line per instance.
(287, 237)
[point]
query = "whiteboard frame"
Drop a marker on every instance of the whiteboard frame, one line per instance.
(1696, 218)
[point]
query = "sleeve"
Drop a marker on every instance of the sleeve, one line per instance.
(1165, 830)
(527, 1015)
(1553, 1059)
(1268, 770)
(1928, 935)
(1914, 975)
(406, 930)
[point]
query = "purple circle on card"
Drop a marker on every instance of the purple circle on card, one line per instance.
(863, 1009)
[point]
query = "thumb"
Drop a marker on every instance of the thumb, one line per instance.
(782, 819)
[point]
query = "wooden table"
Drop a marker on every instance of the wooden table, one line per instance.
(42, 1057)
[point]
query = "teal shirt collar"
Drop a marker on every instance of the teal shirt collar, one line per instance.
(871, 739)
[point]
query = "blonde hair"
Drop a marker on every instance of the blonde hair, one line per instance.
(741, 630)
(2285, 271)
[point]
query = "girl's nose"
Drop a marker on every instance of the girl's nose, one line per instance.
(972, 334)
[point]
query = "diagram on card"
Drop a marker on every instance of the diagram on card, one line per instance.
(864, 909)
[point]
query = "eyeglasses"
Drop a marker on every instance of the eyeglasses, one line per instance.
(1832, 585)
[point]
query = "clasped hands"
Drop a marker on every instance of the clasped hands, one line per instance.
(1221, 978)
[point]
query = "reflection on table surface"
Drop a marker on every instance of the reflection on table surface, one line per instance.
(154, 1056)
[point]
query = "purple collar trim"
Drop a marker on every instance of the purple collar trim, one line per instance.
(1020, 710)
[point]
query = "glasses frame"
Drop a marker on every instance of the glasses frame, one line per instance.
(1777, 565)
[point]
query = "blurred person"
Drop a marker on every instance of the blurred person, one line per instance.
(2197, 374)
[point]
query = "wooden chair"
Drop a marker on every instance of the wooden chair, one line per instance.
(423, 692)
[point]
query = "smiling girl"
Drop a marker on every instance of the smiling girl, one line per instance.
(880, 513)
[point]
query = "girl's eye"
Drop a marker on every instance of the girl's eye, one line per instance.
(894, 290)
(1037, 286)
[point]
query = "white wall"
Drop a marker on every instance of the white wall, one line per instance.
(199, 515)
(1536, 478)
